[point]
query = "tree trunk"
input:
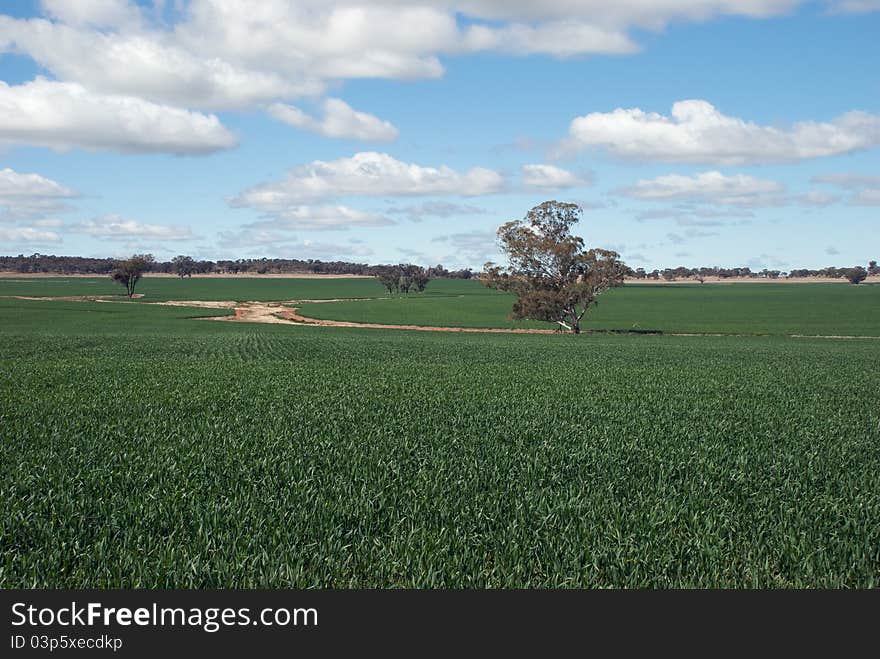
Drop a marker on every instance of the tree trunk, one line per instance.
(575, 323)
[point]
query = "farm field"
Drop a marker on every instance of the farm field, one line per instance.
(810, 309)
(143, 448)
(817, 309)
(160, 289)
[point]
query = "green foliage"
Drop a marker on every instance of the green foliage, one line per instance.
(856, 275)
(552, 273)
(275, 456)
(128, 272)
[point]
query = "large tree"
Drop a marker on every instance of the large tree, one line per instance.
(552, 273)
(856, 275)
(129, 271)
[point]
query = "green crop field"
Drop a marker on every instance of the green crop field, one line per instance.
(144, 448)
(158, 289)
(815, 309)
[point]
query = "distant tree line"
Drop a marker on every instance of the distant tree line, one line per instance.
(186, 266)
(701, 274)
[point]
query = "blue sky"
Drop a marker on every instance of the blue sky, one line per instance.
(693, 132)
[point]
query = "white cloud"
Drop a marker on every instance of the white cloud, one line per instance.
(216, 54)
(368, 174)
(115, 227)
(340, 120)
(15, 185)
(320, 218)
(145, 65)
(97, 13)
(48, 222)
(563, 38)
(438, 208)
(696, 132)
(865, 189)
(27, 196)
(65, 115)
(713, 187)
(549, 177)
(28, 235)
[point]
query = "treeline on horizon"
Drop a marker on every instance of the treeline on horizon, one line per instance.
(186, 266)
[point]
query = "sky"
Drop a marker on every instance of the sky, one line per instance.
(691, 132)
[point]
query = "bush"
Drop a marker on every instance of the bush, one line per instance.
(856, 275)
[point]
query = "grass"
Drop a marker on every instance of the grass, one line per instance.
(160, 289)
(815, 309)
(145, 449)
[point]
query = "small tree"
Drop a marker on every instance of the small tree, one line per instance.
(856, 275)
(553, 275)
(184, 266)
(420, 279)
(390, 279)
(128, 272)
(873, 268)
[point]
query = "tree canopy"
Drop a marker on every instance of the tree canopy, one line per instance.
(128, 272)
(554, 276)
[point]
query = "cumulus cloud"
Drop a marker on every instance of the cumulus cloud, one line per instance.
(147, 65)
(15, 185)
(28, 196)
(95, 13)
(114, 227)
(28, 235)
(319, 218)
(549, 177)
(339, 120)
(64, 115)
(563, 38)
(215, 54)
(696, 132)
(368, 174)
(211, 55)
(713, 187)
